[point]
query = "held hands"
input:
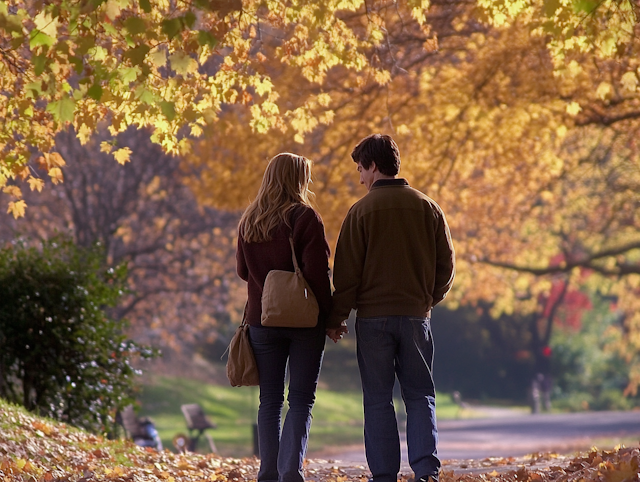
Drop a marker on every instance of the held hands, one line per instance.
(336, 333)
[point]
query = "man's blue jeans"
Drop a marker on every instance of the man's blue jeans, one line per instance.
(282, 454)
(402, 346)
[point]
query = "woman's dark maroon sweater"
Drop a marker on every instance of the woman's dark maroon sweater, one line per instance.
(255, 260)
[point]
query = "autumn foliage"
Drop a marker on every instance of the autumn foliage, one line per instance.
(521, 119)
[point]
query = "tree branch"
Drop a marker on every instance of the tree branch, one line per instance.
(621, 268)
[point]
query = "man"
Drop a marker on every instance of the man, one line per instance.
(394, 261)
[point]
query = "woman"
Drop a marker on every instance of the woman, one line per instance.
(280, 210)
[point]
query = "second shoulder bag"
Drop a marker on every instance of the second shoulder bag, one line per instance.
(287, 299)
(242, 369)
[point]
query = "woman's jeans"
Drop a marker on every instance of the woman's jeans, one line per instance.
(402, 346)
(282, 453)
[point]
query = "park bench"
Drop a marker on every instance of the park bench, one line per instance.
(197, 423)
(139, 429)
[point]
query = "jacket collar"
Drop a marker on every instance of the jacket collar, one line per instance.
(390, 182)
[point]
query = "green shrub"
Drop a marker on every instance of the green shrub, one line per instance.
(61, 355)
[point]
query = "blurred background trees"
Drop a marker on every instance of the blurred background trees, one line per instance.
(531, 153)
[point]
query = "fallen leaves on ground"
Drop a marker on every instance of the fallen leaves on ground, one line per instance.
(619, 465)
(34, 449)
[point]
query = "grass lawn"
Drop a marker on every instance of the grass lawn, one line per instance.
(337, 415)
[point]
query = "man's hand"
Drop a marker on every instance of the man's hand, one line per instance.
(336, 333)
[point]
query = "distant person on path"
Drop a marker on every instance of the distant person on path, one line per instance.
(394, 261)
(282, 208)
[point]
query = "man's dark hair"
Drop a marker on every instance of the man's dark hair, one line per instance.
(380, 149)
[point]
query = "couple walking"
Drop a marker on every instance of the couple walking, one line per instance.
(394, 261)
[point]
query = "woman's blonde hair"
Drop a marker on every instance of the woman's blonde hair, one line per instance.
(284, 184)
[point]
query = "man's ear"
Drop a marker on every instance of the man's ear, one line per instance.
(374, 167)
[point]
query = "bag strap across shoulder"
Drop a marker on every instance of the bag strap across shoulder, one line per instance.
(293, 251)
(293, 256)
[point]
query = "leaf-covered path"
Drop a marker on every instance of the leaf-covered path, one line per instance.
(33, 449)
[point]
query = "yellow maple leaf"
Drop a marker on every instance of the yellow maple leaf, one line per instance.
(17, 208)
(84, 134)
(35, 184)
(53, 159)
(263, 86)
(122, 155)
(24, 173)
(13, 191)
(56, 159)
(55, 173)
(105, 147)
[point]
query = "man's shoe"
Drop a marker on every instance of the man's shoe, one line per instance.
(426, 478)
